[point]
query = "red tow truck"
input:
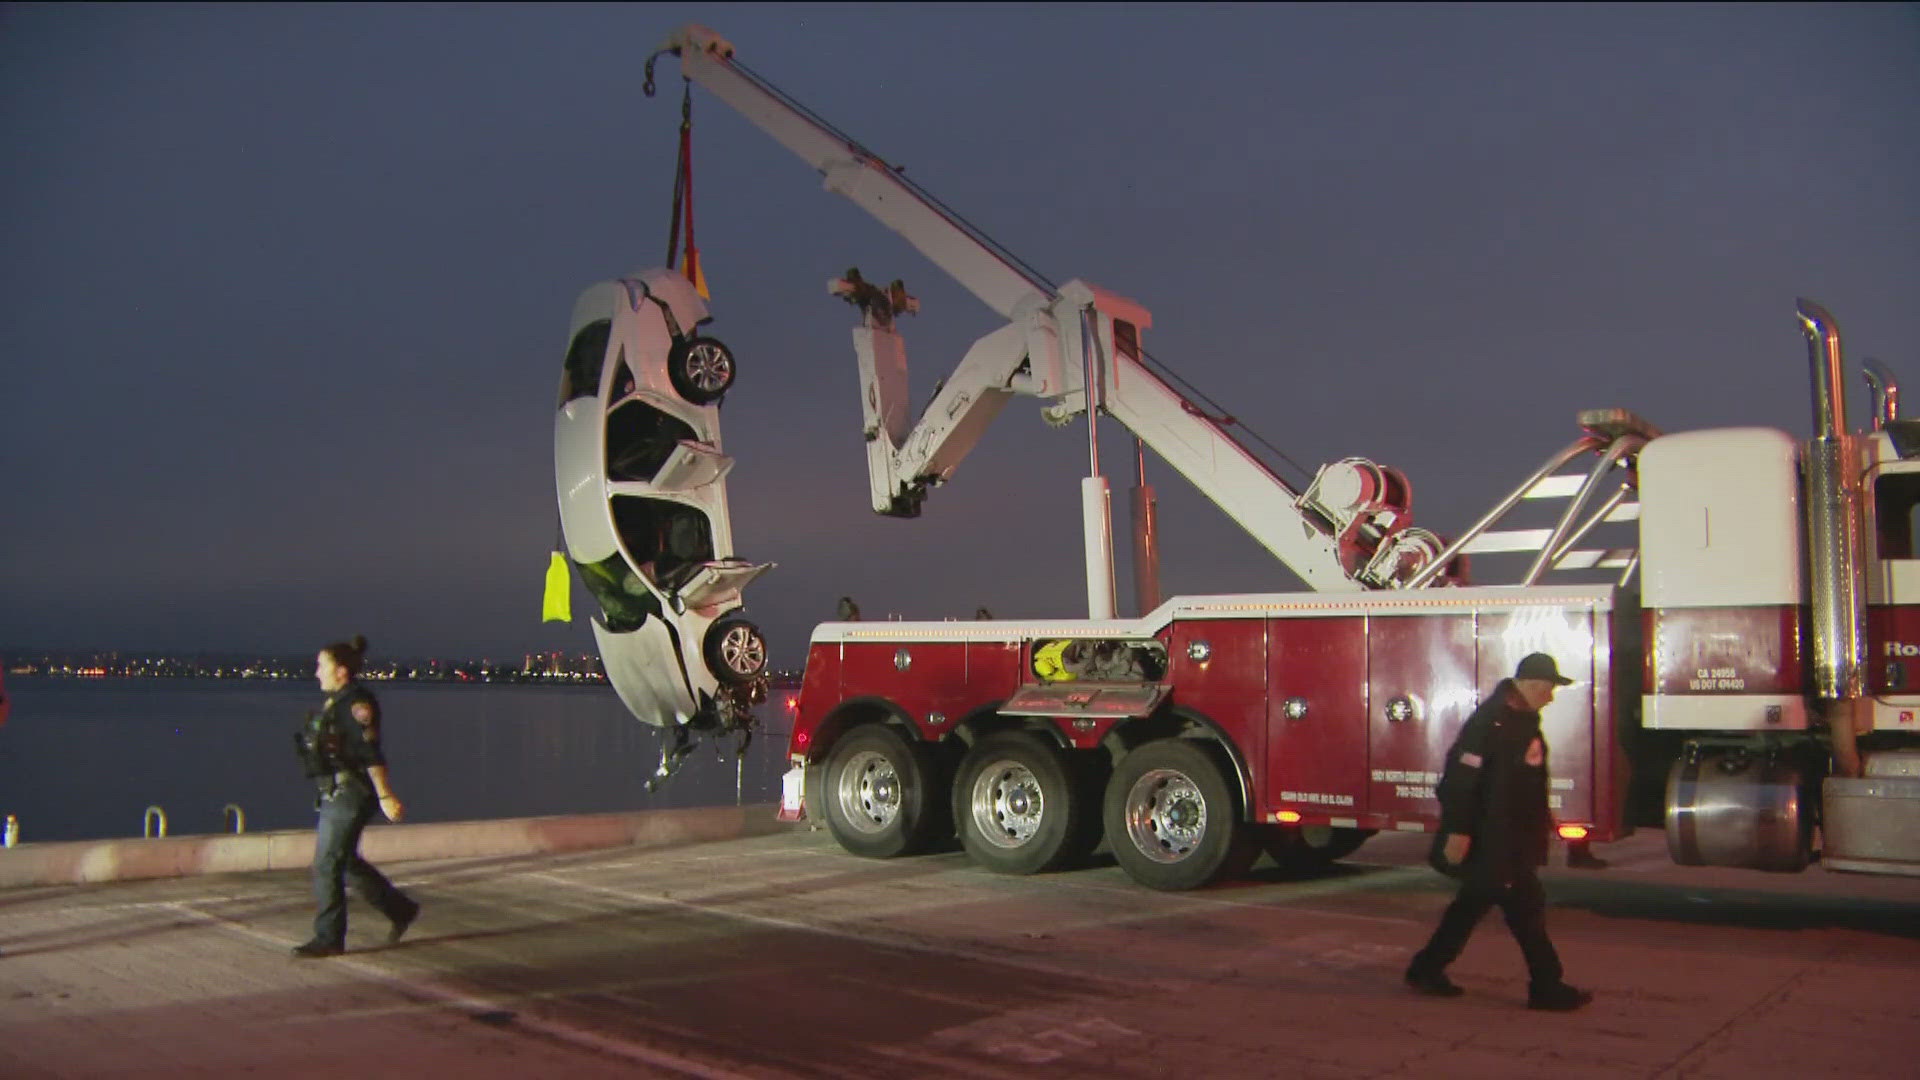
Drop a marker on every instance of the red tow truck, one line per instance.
(1743, 615)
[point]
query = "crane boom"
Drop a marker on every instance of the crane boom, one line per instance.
(1348, 531)
(851, 170)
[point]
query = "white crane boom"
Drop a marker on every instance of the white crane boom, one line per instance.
(1347, 532)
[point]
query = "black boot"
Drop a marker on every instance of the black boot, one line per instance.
(1557, 997)
(1432, 983)
(402, 921)
(1581, 858)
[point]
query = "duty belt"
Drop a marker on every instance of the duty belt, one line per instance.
(331, 785)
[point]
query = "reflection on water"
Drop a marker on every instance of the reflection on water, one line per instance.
(84, 759)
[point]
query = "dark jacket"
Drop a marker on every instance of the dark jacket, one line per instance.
(347, 729)
(1492, 793)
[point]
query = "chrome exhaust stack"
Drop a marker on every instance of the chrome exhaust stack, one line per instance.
(1834, 541)
(1885, 390)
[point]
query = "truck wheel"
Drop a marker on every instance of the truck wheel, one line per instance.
(1018, 806)
(879, 794)
(1171, 817)
(735, 651)
(700, 368)
(1310, 847)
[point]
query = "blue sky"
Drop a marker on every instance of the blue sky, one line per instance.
(285, 287)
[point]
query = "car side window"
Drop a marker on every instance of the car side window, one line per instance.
(640, 438)
(586, 355)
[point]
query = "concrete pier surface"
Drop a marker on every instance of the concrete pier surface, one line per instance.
(776, 954)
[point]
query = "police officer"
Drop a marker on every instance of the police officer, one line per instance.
(344, 738)
(1494, 830)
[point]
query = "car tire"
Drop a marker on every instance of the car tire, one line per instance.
(700, 368)
(735, 651)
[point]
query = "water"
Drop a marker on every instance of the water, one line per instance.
(82, 759)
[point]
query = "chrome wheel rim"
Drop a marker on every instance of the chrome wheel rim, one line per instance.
(708, 367)
(1166, 815)
(1007, 804)
(742, 651)
(869, 792)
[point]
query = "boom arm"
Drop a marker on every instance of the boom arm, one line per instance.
(857, 174)
(1347, 532)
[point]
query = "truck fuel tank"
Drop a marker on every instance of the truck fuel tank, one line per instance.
(1731, 806)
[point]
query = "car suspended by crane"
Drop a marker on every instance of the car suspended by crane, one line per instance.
(641, 478)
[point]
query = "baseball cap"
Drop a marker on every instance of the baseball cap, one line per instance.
(1541, 666)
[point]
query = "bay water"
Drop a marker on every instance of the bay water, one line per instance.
(84, 759)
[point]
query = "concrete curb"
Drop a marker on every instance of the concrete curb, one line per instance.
(82, 861)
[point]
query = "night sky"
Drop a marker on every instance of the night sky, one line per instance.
(286, 289)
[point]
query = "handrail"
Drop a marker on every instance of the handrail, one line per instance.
(239, 816)
(147, 822)
(1556, 544)
(1579, 446)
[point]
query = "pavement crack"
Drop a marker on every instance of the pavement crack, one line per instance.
(1770, 999)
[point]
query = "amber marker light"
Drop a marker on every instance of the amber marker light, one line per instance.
(1573, 832)
(1287, 817)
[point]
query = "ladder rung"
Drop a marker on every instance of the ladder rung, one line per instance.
(1508, 540)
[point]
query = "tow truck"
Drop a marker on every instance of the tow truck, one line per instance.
(1744, 616)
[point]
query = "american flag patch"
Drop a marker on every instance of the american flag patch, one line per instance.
(1470, 759)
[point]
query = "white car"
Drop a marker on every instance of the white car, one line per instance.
(643, 504)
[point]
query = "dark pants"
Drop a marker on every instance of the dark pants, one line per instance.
(336, 861)
(1523, 902)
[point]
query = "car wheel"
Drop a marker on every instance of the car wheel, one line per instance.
(1172, 819)
(735, 651)
(700, 368)
(878, 793)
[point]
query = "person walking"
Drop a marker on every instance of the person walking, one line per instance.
(1494, 831)
(342, 746)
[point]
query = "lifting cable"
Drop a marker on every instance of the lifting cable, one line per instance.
(683, 191)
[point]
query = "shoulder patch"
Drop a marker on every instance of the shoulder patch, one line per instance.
(1470, 759)
(363, 712)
